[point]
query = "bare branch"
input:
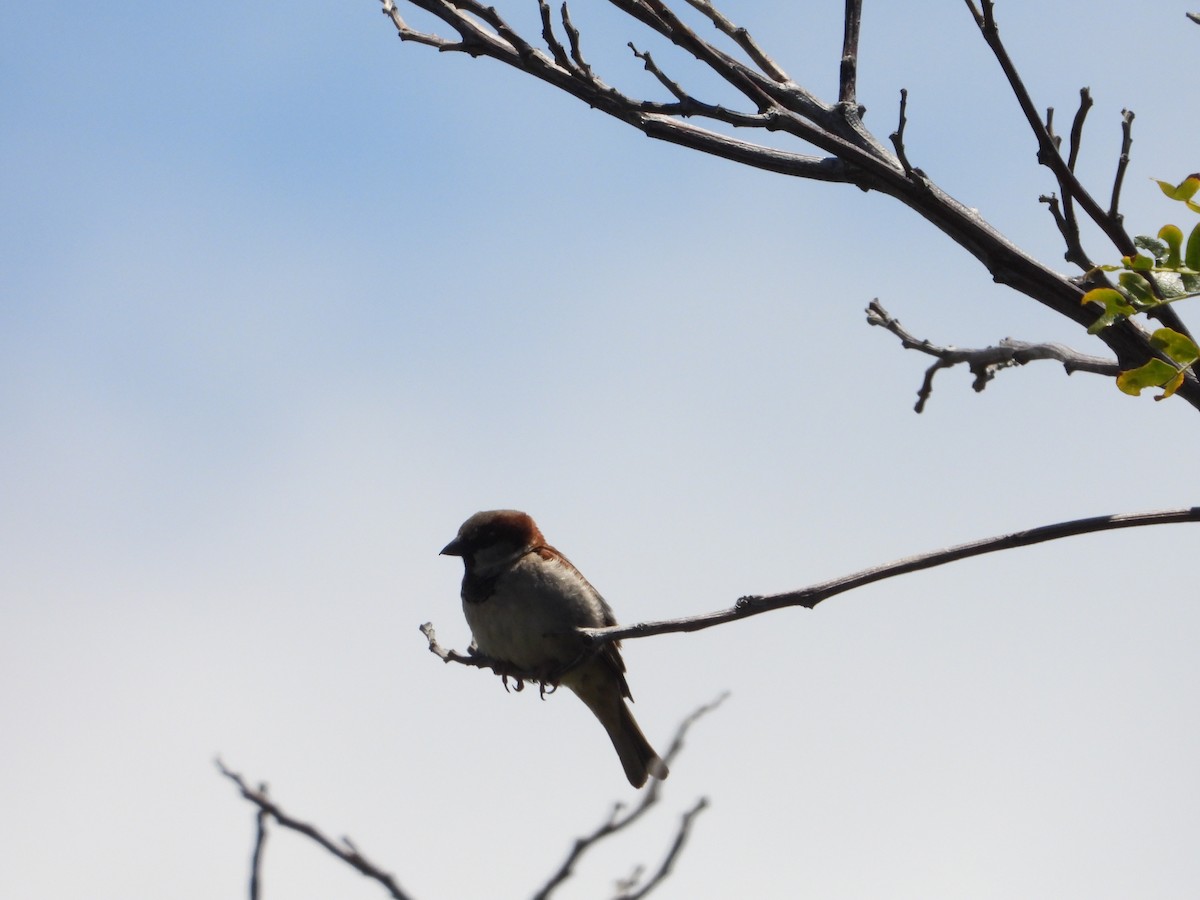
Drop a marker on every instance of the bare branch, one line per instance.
(556, 47)
(1085, 104)
(742, 38)
(260, 840)
(547, 682)
(897, 136)
(347, 853)
(1048, 149)
(1122, 164)
(1070, 223)
(810, 596)
(779, 106)
(648, 62)
(668, 863)
(848, 74)
(649, 797)
(409, 34)
(1050, 127)
(1070, 234)
(1195, 17)
(573, 38)
(986, 361)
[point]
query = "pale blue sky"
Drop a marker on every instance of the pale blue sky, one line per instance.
(284, 301)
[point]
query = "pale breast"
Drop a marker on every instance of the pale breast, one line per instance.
(531, 613)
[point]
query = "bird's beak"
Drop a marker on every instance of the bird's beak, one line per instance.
(454, 548)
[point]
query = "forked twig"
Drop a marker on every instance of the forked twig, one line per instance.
(985, 362)
(345, 851)
(618, 822)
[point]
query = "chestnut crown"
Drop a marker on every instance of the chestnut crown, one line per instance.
(495, 529)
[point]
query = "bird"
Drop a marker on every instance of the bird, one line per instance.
(523, 601)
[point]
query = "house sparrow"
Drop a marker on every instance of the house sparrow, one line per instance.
(523, 600)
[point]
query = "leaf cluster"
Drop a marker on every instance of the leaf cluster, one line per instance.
(1164, 270)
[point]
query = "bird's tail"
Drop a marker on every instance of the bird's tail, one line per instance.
(637, 756)
(596, 687)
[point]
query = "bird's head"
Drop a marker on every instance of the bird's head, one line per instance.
(494, 537)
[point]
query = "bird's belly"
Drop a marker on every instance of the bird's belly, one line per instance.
(530, 630)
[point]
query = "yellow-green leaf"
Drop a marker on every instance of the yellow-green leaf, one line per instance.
(1179, 347)
(1155, 373)
(1185, 190)
(1172, 236)
(1171, 386)
(1115, 307)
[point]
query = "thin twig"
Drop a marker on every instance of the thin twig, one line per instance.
(897, 136)
(1085, 103)
(647, 61)
(810, 596)
(260, 840)
(735, 73)
(1122, 164)
(1071, 230)
(649, 797)
(555, 45)
(410, 34)
(545, 681)
(984, 362)
(573, 39)
(848, 72)
(668, 863)
(1070, 234)
(1050, 127)
(1048, 151)
(742, 38)
(347, 853)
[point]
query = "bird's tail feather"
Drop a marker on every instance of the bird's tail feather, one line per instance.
(596, 686)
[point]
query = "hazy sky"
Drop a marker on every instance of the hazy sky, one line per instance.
(283, 301)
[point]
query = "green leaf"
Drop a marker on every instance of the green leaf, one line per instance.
(1179, 347)
(1115, 307)
(1140, 292)
(1140, 262)
(1155, 373)
(1170, 285)
(1153, 246)
(1191, 257)
(1191, 283)
(1172, 236)
(1185, 190)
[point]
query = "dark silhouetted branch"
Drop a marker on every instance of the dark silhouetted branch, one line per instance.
(809, 597)
(897, 136)
(618, 819)
(771, 104)
(345, 851)
(260, 841)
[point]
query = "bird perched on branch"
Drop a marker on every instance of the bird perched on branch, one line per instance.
(523, 600)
